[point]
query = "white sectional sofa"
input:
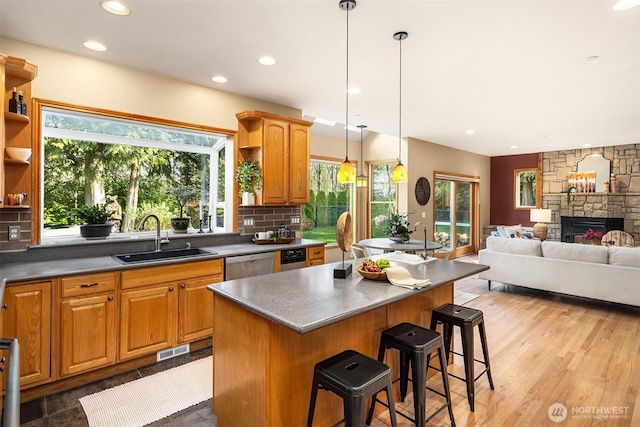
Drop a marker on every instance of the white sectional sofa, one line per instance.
(592, 271)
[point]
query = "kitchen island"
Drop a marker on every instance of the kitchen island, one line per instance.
(270, 331)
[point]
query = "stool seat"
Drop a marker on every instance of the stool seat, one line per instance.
(450, 315)
(354, 377)
(415, 345)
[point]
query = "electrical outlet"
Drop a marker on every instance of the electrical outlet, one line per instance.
(14, 233)
(424, 214)
(248, 222)
(295, 220)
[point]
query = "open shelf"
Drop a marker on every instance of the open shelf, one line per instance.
(15, 117)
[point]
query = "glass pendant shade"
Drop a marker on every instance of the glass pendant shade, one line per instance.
(362, 181)
(346, 173)
(399, 174)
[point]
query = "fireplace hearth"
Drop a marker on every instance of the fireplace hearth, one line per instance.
(572, 226)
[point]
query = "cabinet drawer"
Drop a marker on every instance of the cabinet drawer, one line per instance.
(313, 262)
(88, 284)
(315, 252)
(169, 273)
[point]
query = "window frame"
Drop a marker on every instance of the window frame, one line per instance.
(370, 166)
(38, 150)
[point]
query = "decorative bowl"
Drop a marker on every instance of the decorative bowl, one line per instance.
(18, 153)
(371, 275)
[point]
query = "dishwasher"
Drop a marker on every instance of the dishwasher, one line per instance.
(237, 267)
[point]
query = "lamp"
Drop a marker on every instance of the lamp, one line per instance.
(347, 171)
(540, 216)
(362, 179)
(399, 173)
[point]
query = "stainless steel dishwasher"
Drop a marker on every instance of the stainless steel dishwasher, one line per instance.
(237, 267)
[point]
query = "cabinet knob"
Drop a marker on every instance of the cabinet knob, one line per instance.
(4, 306)
(182, 285)
(4, 359)
(110, 297)
(1, 368)
(170, 288)
(291, 201)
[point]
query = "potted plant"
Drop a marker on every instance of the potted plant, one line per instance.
(96, 221)
(397, 226)
(249, 176)
(182, 194)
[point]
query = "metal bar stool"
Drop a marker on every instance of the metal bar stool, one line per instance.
(415, 345)
(354, 377)
(451, 315)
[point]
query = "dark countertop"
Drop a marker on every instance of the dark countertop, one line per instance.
(38, 270)
(310, 298)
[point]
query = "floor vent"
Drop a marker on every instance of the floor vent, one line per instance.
(173, 352)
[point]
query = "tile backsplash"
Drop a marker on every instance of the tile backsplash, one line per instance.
(12, 217)
(267, 218)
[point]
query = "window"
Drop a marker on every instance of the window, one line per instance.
(133, 167)
(328, 199)
(382, 196)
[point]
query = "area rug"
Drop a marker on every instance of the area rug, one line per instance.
(140, 402)
(461, 298)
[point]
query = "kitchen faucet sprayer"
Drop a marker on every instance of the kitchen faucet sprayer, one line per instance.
(159, 240)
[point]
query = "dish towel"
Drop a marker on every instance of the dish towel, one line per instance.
(400, 276)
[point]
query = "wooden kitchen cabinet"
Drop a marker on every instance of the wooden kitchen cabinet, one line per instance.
(158, 312)
(87, 322)
(26, 315)
(315, 255)
(282, 146)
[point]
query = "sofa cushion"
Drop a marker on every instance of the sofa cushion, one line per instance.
(620, 255)
(575, 252)
(514, 246)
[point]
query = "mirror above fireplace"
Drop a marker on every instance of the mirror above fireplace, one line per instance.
(602, 168)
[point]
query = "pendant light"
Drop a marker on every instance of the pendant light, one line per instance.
(347, 171)
(362, 180)
(399, 173)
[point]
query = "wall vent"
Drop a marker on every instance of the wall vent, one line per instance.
(172, 352)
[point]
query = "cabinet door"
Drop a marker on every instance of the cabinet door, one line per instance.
(195, 309)
(299, 158)
(87, 333)
(28, 317)
(275, 158)
(148, 321)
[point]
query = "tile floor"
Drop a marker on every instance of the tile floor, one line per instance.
(64, 408)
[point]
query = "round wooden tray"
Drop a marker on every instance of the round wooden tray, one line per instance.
(371, 275)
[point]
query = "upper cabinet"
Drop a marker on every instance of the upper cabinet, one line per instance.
(15, 174)
(281, 145)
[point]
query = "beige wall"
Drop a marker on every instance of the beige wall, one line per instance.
(425, 157)
(88, 82)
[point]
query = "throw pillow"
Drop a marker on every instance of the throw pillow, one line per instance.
(513, 231)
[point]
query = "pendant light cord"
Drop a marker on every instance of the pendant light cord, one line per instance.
(400, 110)
(346, 128)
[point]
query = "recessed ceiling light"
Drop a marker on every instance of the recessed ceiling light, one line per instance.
(625, 4)
(219, 79)
(99, 47)
(115, 7)
(266, 60)
(354, 91)
(470, 132)
(324, 121)
(593, 58)
(513, 147)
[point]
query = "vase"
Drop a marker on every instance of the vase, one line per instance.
(248, 199)
(180, 225)
(398, 238)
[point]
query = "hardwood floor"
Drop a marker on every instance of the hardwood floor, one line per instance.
(544, 349)
(547, 349)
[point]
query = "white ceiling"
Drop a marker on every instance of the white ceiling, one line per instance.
(515, 71)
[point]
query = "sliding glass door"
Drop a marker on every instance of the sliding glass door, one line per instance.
(456, 219)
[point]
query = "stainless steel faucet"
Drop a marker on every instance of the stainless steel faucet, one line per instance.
(159, 239)
(423, 254)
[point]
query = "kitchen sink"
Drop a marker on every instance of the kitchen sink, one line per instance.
(136, 257)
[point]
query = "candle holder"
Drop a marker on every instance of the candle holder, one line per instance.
(200, 231)
(210, 230)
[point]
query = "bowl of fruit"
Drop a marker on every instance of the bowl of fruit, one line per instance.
(373, 270)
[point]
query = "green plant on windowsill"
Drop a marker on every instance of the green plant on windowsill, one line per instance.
(96, 214)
